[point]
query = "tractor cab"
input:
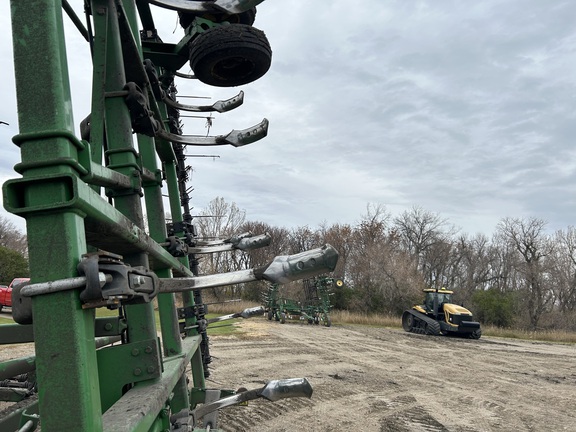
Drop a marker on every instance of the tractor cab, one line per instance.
(435, 299)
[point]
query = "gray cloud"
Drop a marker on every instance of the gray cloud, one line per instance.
(464, 108)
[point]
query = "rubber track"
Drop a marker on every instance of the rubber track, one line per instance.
(433, 325)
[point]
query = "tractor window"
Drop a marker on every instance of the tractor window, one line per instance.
(429, 301)
(444, 298)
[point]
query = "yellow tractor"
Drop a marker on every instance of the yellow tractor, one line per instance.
(438, 315)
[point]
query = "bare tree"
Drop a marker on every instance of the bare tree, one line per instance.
(532, 247)
(564, 275)
(473, 266)
(220, 219)
(419, 229)
(12, 238)
(303, 238)
(382, 274)
(340, 237)
(427, 237)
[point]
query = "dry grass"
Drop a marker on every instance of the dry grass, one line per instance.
(377, 320)
(558, 336)
(391, 321)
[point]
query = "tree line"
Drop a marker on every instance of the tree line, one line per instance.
(521, 276)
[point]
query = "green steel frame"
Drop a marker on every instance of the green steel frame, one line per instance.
(97, 234)
(82, 388)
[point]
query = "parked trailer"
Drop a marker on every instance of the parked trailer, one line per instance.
(315, 309)
(97, 235)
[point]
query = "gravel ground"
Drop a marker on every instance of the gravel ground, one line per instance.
(377, 379)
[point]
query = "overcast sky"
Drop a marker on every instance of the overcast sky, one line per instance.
(466, 109)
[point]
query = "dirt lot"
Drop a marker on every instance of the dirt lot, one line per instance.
(374, 379)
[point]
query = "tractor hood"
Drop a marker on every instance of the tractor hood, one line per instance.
(455, 309)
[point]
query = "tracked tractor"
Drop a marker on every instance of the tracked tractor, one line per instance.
(438, 315)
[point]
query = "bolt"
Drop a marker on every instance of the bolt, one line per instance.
(151, 369)
(135, 352)
(103, 279)
(138, 281)
(137, 371)
(148, 350)
(108, 327)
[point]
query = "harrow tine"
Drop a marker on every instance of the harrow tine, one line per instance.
(244, 244)
(220, 106)
(237, 138)
(281, 269)
(246, 313)
(273, 391)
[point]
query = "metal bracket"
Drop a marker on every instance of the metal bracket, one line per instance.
(211, 419)
(143, 121)
(124, 284)
(129, 363)
(182, 421)
(176, 247)
(189, 230)
(110, 326)
(187, 312)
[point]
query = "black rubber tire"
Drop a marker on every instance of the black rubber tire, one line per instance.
(230, 55)
(247, 17)
(270, 315)
(282, 318)
(327, 321)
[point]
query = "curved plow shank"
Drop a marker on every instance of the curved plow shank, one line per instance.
(273, 391)
(237, 138)
(220, 106)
